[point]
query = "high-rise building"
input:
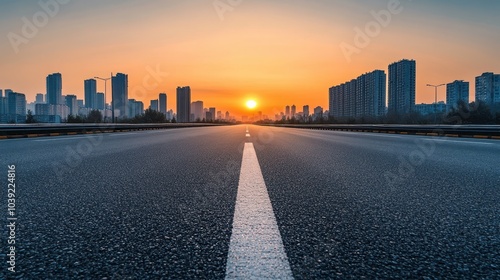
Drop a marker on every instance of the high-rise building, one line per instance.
(197, 111)
(287, 111)
(2, 106)
(212, 113)
(135, 108)
(16, 107)
(361, 97)
(72, 103)
(90, 93)
(100, 101)
(183, 104)
(294, 111)
(162, 105)
(208, 116)
(488, 88)
(54, 89)
(373, 94)
(318, 113)
(119, 88)
(305, 111)
(402, 81)
(227, 115)
(39, 98)
(455, 92)
(153, 105)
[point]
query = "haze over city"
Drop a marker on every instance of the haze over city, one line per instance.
(274, 52)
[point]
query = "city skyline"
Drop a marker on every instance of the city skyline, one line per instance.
(257, 51)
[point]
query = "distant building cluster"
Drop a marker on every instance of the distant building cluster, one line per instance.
(54, 107)
(370, 95)
(365, 96)
(291, 113)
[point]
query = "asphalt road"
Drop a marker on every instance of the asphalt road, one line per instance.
(160, 204)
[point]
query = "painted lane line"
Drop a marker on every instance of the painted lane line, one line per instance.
(256, 249)
(462, 142)
(65, 138)
(247, 135)
(121, 134)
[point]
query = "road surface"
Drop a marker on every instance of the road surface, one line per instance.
(213, 202)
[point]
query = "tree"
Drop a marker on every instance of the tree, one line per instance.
(74, 119)
(30, 118)
(153, 116)
(94, 116)
(479, 113)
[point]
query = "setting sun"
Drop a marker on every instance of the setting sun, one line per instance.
(251, 104)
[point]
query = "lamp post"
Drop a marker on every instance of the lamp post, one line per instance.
(435, 98)
(105, 89)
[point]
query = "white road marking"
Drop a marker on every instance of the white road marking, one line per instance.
(58, 138)
(456, 141)
(247, 135)
(122, 133)
(256, 250)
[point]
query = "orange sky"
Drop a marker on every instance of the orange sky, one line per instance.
(276, 52)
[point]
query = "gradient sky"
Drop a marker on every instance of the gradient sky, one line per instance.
(276, 52)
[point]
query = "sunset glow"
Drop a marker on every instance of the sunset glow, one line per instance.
(280, 50)
(251, 104)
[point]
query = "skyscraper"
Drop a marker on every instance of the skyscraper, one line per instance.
(305, 111)
(373, 95)
(90, 93)
(54, 89)
(72, 103)
(119, 84)
(361, 97)
(212, 113)
(402, 79)
(294, 111)
(162, 106)
(456, 91)
(16, 107)
(197, 111)
(135, 108)
(153, 105)
(39, 98)
(488, 88)
(287, 111)
(318, 113)
(100, 101)
(183, 104)
(2, 108)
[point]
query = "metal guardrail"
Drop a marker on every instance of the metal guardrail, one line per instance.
(22, 131)
(475, 131)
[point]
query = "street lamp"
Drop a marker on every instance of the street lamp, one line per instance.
(105, 88)
(435, 98)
